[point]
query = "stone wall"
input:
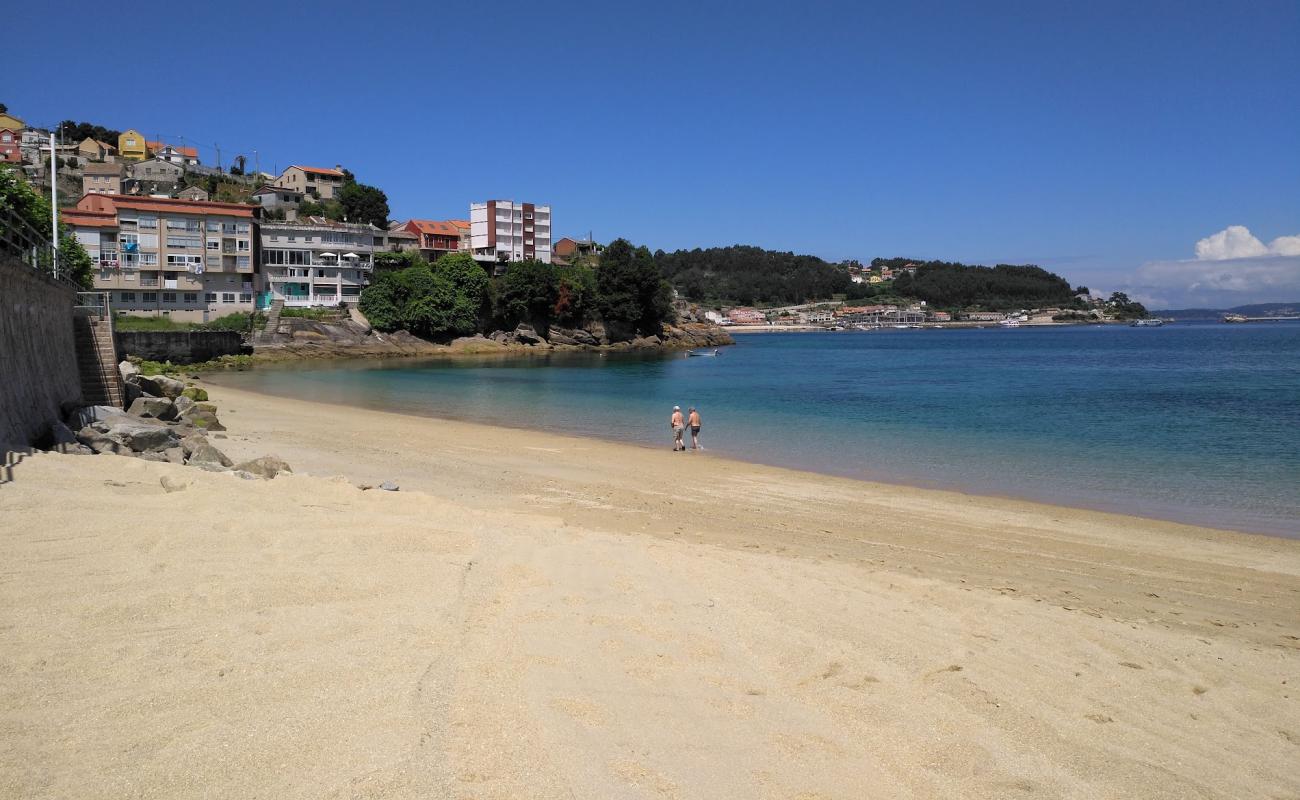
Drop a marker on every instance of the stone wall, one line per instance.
(38, 351)
(180, 347)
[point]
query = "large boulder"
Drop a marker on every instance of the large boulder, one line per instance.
(195, 393)
(160, 385)
(182, 404)
(86, 415)
(202, 418)
(525, 334)
(142, 436)
(193, 442)
(100, 442)
(265, 467)
(153, 407)
(128, 370)
(207, 456)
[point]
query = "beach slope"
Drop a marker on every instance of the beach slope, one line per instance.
(540, 616)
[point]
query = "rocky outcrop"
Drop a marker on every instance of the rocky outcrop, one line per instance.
(167, 428)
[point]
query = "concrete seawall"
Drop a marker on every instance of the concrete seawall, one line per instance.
(38, 352)
(180, 347)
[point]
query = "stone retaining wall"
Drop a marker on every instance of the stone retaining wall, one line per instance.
(180, 347)
(38, 351)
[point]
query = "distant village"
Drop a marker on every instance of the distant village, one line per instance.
(161, 244)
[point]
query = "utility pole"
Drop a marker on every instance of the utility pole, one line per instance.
(54, 205)
(257, 164)
(218, 156)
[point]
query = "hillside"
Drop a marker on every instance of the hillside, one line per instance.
(1253, 310)
(745, 275)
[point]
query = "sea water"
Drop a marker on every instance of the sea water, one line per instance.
(1195, 423)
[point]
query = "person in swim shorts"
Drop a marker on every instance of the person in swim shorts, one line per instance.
(679, 427)
(693, 420)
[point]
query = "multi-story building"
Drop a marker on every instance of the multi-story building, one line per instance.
(102, 178)
(315, 182)
(131, 146)
(396, 240)
(314, 261)
(11, 146)
(436, 238)
(503, 230)
(192, 261)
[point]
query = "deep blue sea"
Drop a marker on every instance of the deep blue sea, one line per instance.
(1195, 423)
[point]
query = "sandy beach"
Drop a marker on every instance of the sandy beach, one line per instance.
(537, 616)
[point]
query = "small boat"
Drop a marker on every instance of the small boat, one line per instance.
(701, 353)
(1151, 322)
(1010, 323)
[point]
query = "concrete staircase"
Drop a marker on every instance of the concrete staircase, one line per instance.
(101, 383)
(272, 326)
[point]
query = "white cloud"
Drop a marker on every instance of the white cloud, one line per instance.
(1231, 268)
(1236, 241)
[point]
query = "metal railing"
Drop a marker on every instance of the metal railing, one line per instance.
(95, 304)
(33, 247)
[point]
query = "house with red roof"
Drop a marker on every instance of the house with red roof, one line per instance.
(10, 141)
(317, 183)
(438, 237)
(185, 156)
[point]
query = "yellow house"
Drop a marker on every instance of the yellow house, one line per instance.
(11, 122)
(874, 279)
(131, 146)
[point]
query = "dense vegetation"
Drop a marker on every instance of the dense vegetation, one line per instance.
(34, 208)
(241, 321)
(454, 296)
(744, 275)
(1005, 286)
(75, 132)
(1122, 307)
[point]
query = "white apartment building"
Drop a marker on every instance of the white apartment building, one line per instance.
(315, 261)
(189, 260)
(503, 230)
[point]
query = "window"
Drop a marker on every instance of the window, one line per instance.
(128, 297)
(227, 297)
(105, 274)
(191, 297)
(241, 227)
(147, 222)
(183, 262)
(242, 245)
(320, 273)
(209, 297)
(245, 297)
(242, 262)
(213, 244)
(128, 241)
(295, 238)
(148, 259)
(275, 237)
(183, 241)
(148, 297)
(214, 226)
(169, 297)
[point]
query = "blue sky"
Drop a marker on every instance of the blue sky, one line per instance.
(1091, 138)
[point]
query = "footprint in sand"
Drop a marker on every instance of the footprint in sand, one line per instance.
(1098, 718)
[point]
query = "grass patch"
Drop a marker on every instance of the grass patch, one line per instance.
(240, 321)
(312, 313)
(147, 367)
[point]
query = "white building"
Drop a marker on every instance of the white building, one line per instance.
(316, 262)
(503, 230)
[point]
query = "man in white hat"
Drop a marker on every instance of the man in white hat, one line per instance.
(679, 427)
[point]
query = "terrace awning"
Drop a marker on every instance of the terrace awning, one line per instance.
(328, 255)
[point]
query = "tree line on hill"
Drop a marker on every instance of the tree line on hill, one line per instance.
(454, 296)
(745, 275)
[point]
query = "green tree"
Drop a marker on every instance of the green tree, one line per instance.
(470, 287)
(34, 209)
(630, 289)
(363, 203)
(576, 295)
(527, 293)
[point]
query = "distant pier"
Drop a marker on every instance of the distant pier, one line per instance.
(1240, 318)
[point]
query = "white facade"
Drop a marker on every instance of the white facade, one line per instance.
(504, 231)
(316, 262)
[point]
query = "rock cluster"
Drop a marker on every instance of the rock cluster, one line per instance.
(598, 336)
(166, 420)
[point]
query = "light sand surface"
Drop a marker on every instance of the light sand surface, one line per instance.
(537, 616)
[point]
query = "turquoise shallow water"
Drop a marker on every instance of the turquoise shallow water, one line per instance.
(1199, 424)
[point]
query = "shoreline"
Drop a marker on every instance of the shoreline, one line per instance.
(548, 616)
(874, 480)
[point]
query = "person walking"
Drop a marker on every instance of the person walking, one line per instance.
(679, 427)
(693, 420)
